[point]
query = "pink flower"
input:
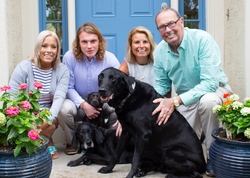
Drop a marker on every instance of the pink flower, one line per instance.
(22, 86)
(25, 105)
(38, 85)
(5, 87)
(33, 134)
(12, 111)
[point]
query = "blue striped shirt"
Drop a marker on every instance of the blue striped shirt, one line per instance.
(43, 77)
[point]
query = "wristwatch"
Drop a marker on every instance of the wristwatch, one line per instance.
(176, 102)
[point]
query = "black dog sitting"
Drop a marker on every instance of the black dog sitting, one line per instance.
(174, 143)
(99, 145)
(95, 101)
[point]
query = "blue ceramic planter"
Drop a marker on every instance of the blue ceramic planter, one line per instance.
(229, 158)
(36, 165)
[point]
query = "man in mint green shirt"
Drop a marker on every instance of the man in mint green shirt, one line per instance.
(189, 59)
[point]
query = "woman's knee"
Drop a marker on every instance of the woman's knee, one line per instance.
(67, 113)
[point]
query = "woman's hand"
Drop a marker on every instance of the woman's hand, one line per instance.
(166, 108)
(90, 111)
(118, 129)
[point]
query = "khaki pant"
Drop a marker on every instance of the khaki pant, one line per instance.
(69, 114)
(200, 115)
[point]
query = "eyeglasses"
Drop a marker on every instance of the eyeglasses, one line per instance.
(170, 25)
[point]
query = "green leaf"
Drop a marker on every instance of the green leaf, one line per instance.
(10, 122)
(13, 133)
(24, 139)
(3, 129)
(36, 105)
(30, 148)
(3, 138)
(17, 150)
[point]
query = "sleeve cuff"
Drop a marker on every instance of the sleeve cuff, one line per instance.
(187, 99)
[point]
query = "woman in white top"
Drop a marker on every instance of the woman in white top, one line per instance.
(139, 55)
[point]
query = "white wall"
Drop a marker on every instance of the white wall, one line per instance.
(4, 67)
(30, 26)
(235, 45)
(247, 49)
(71, 22)
(215, 17)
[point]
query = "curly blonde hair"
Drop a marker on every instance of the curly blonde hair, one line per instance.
(130, 57)
(89, 27)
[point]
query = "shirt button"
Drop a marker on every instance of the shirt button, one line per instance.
(183, 68)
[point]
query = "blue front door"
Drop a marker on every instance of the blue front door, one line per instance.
(115, 18)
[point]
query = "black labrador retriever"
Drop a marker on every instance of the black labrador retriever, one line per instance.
(175, 143)
(94, 100)
(99, 145)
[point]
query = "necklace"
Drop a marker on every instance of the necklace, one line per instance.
(139, 72)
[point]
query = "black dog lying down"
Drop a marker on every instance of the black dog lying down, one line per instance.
(99, 145)
(95, 101)
(175, 143)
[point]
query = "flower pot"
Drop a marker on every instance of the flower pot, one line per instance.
(36, 165)
(229, 158)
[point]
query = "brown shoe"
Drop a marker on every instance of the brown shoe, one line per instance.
(70, 150)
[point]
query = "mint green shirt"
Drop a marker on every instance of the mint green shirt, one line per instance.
(195, 71)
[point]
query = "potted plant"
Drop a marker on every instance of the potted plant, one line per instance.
(230, 152)
(22, 149)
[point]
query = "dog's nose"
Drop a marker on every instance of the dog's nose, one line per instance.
(88, 142)
(102, 90)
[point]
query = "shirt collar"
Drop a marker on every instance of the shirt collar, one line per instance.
(86, 58)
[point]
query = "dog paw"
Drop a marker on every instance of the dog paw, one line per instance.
(87, 162)
(140, 173)
(72, 163)
(105, 170)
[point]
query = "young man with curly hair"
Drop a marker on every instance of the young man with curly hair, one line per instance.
(85, 61)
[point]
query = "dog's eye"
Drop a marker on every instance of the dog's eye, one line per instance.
(112, 78)
(100, 77)
(90, 131)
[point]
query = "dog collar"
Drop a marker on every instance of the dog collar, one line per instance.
(125, 99)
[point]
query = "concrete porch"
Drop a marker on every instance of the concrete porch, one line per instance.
(61, 170)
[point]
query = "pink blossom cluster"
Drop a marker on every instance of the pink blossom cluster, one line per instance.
(38, 85)
(22, 86)
(12, 111)
(33, 134)
(25, 105)
(5, 87)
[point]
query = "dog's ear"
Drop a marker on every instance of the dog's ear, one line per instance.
(88, 97)
(99, 137)
(130, 83)
(74, 140)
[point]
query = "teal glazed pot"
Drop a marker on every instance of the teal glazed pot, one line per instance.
(36, 165)
(229, 158)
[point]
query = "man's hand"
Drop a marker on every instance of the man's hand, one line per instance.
(166, 108)
(90, 111)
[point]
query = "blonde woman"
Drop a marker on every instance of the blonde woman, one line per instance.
(45, 67)
(139, 55)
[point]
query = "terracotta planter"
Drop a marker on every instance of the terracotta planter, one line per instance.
(229, 158)
(36, 165)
